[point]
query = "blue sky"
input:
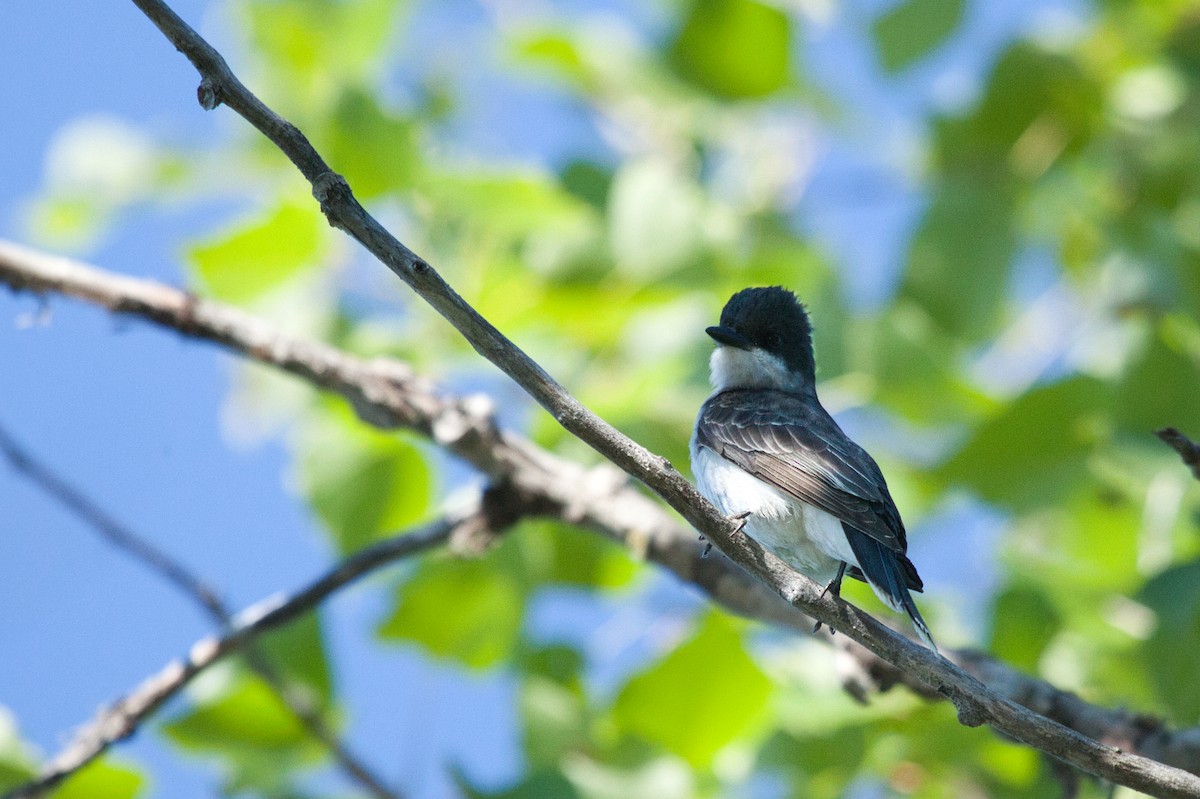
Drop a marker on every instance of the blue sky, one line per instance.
(133, 415)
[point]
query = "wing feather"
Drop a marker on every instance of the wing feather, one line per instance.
(794, 445)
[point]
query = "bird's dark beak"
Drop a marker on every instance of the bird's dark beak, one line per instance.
(729, 337)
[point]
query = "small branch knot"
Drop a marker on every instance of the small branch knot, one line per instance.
(329, 189)
(208, 93)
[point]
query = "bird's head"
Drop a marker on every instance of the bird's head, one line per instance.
(764, 341)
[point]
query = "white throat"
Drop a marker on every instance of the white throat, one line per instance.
(731, 367)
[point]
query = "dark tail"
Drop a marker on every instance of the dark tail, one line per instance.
(891, 575)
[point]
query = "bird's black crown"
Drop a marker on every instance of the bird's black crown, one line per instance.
(772, 318)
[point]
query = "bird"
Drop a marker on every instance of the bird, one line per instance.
(767, 453)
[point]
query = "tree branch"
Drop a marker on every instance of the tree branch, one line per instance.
(388, 394)
(976, 704)
(1188, 450)
(497, 509)
(195, 589)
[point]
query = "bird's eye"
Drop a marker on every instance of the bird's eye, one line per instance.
(774, 340)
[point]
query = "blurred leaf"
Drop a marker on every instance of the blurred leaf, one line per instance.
(733, 49)
(554, 721)
(17, 761)
(297, 652)
(1023, 622)
(1159, 389)
(248, 715)
(1038, 106)
(375, 149)
(468, 610)
(261, 253)
(364, 484)
(554, 49)
(704, 695)
(561, 553)
(100, 779)
(1036, 448)
(538, 785)
(1169, 656)
(656, 218)
(319, 44)
(960, 258)
(913, 28)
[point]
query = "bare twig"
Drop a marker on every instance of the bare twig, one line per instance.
(194, 588)
(119, 720)
(600, 499)
(1188, 450)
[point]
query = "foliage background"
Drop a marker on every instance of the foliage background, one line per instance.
(990, 207)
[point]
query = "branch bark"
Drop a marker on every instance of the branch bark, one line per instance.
(1189, 451)
(494, 511)
(140, 549)
(388, 394)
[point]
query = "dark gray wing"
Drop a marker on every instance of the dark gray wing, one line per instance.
(791, 443)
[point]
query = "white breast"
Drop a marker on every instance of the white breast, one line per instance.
(805, 537)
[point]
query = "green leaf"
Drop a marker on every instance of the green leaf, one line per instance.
(260, 253)
(101, 779)
(1159, 388)
(913, 28)
(375, 149)
(315, 46)
(17, 761)
(1169, 656)
(240, 721)
(246, 715)
(297, 652)
(1023, 623)
(363, 484)
(538, 785)
(961, 256)
(704, 695)
(467, 610)
(561, 553)
(1036, 448)
(733, 49)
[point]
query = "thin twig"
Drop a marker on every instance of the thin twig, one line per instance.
(975, 703)
(1188, 450)
(122, 718)
(195, 589)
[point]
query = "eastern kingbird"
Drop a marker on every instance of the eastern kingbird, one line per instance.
(764, 450)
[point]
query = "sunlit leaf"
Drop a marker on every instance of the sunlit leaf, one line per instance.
(101, 779)
(373, 148)
(704, 695)
(467, 610)
(733, 48)
(261, 253)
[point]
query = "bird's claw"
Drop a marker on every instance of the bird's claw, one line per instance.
(740, 520)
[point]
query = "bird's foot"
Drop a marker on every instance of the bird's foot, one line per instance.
(835, 585)
(740, 520)
(707, 547)
(834, 588)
